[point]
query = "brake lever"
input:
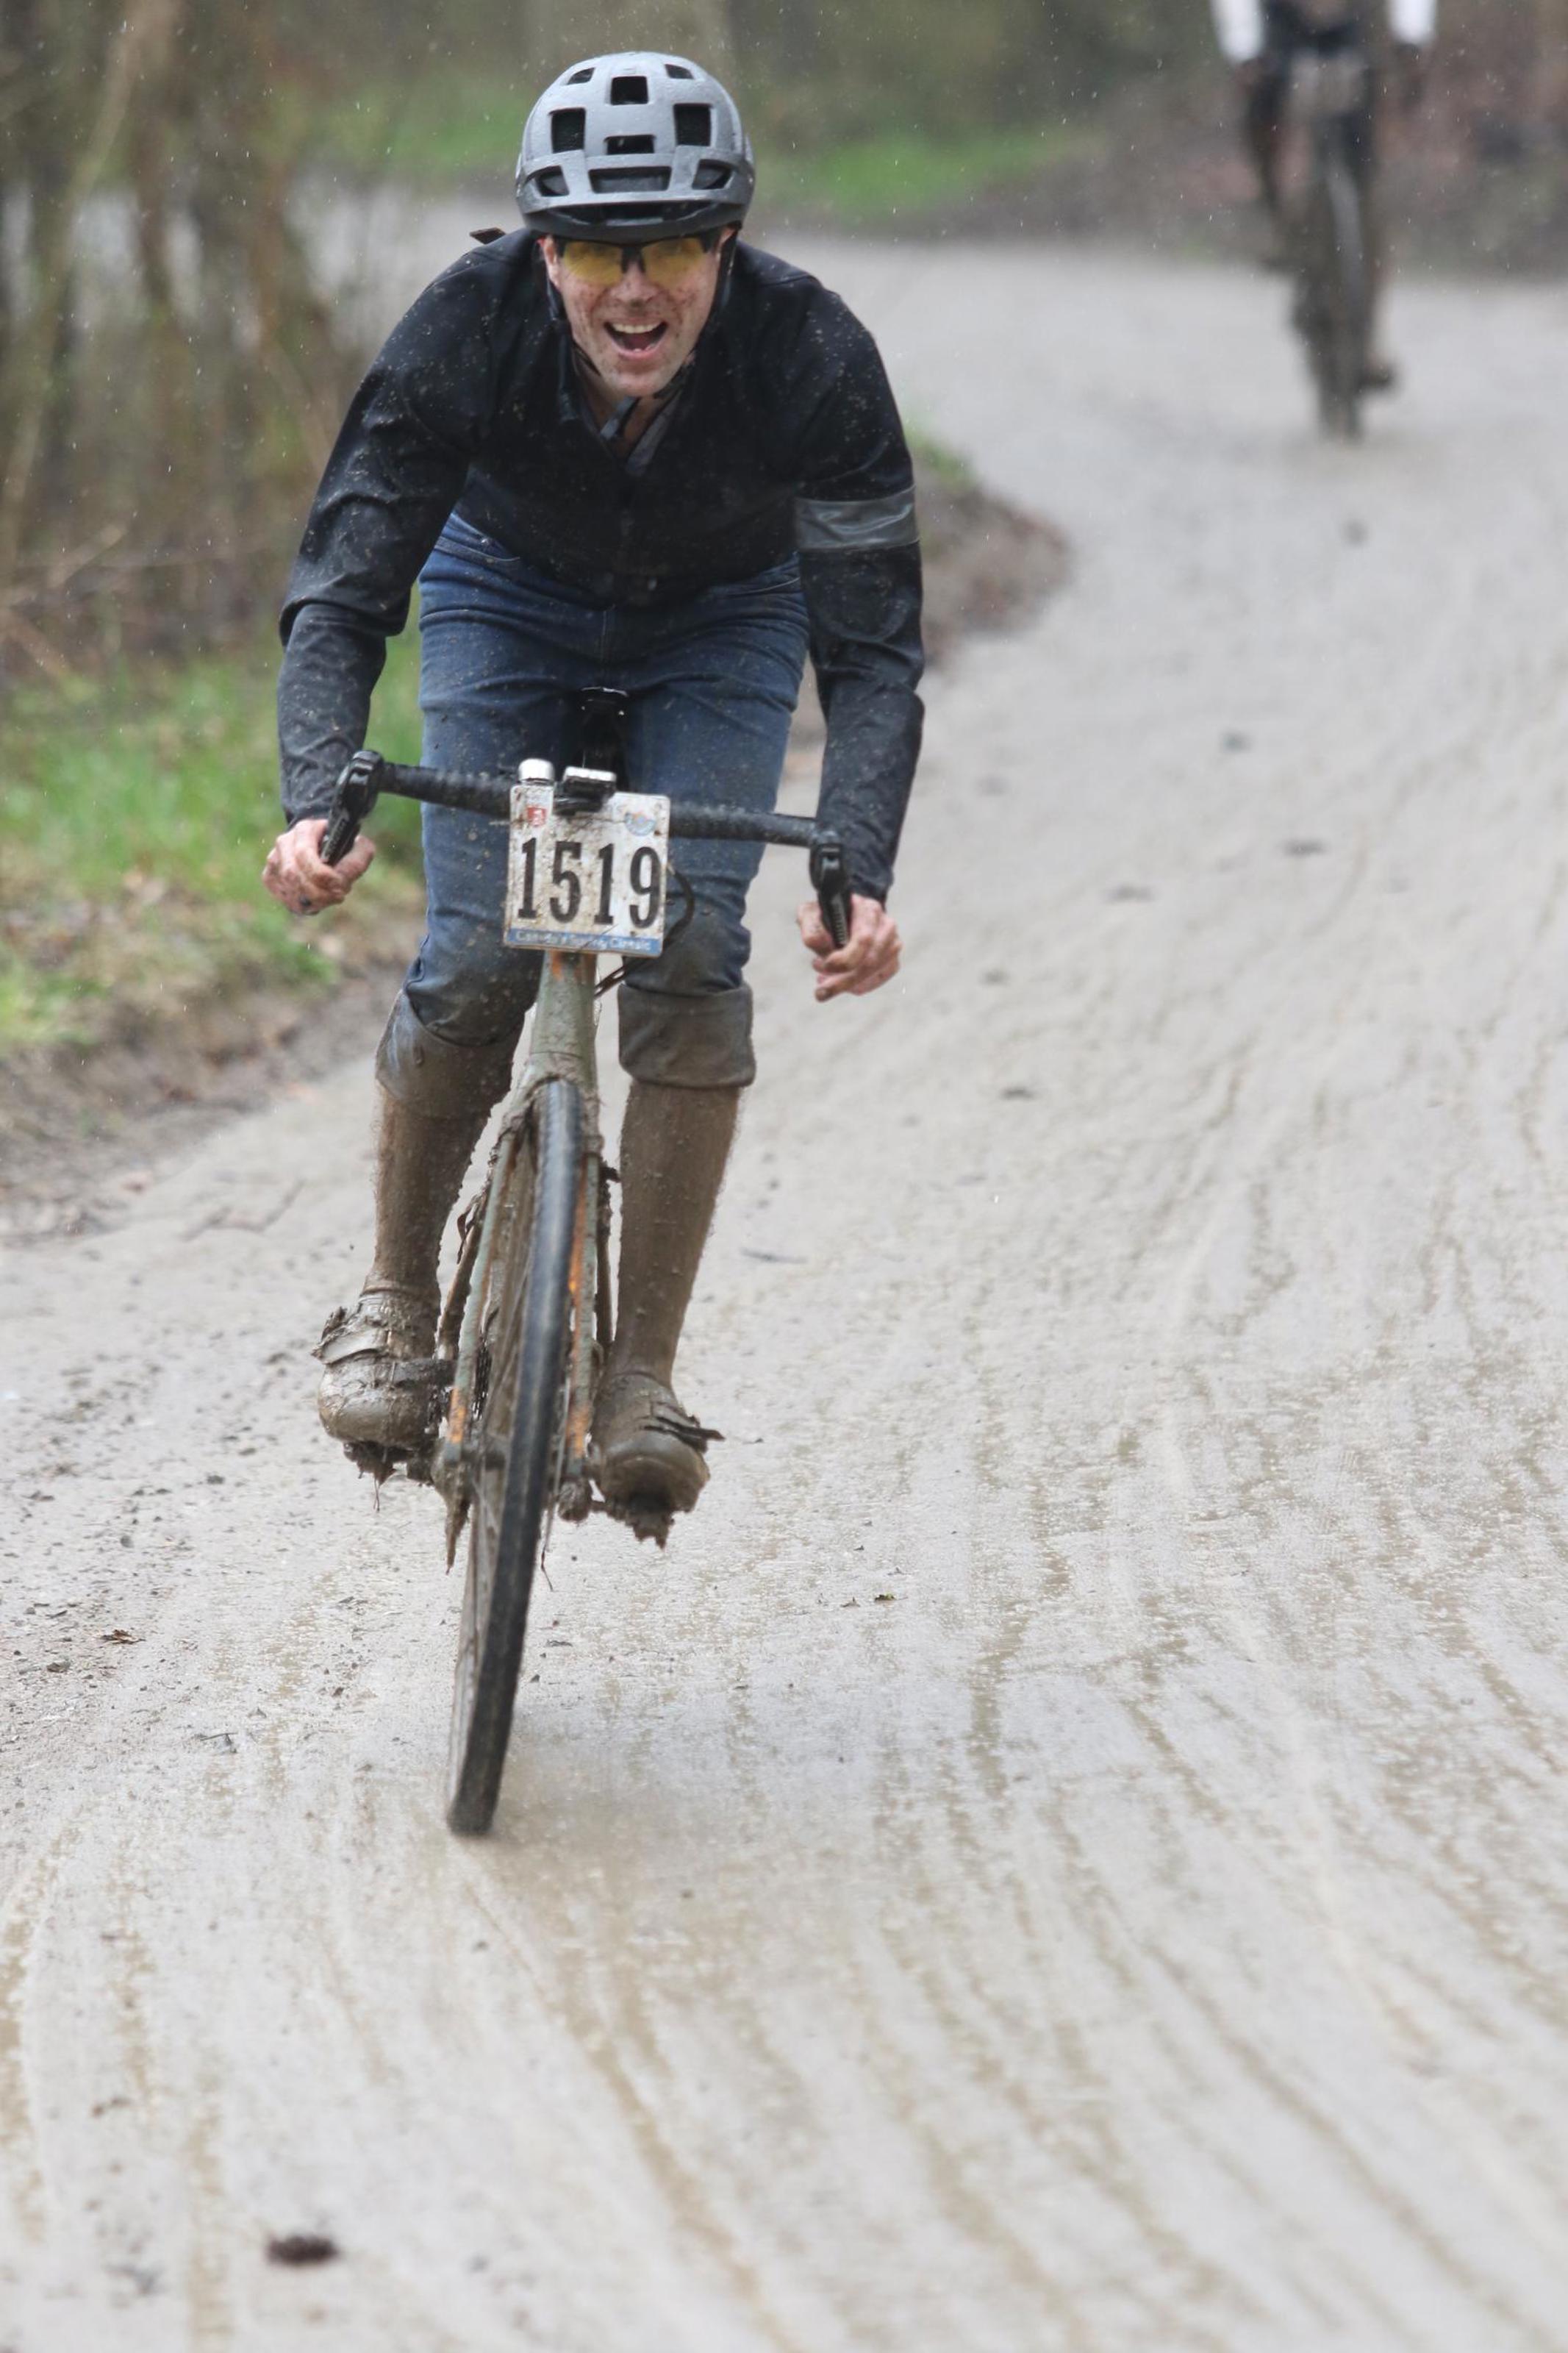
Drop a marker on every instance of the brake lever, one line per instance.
(831, 876)
(351, 804)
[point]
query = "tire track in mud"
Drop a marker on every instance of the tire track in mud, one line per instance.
(1140, 1932)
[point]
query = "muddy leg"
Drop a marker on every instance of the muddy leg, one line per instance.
(674, 1148)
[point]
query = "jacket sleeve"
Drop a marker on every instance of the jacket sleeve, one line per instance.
(1239, 25)
(860, 570)
(396, 472)
(1414, 20)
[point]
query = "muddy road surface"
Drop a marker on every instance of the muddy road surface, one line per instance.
(1069, 1848)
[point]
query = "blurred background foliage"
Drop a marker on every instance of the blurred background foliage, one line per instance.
(171, 377)
(168, 377)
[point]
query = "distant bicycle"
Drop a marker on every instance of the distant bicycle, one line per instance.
(526, 1324)
(1317, 79)
(1332, 99)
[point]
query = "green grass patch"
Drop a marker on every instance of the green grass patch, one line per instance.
(135, 812)
(872, 183)
(935, 464)
(441, 126)
(455, 126)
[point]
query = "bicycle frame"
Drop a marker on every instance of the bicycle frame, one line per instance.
(561, 1046)
(534, 1466)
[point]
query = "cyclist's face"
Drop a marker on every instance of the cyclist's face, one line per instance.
(636, 326)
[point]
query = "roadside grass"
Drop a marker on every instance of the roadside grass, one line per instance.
(455, 126)
(908, 176)
(443, 125)
(936, 466)
(136, 811)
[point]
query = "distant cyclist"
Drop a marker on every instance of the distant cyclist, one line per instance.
(1262, 39)
(617, 447)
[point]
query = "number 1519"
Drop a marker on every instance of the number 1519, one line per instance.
(564, 884)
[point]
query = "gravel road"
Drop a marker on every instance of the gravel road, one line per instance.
(1068, 1849)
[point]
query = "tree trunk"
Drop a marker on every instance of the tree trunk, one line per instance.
(34, 389)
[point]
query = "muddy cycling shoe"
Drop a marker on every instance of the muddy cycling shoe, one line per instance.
(648, 1452)
(382, 1387)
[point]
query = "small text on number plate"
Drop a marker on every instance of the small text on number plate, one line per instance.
(593, 883)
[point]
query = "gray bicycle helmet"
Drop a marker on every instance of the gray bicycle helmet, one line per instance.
(634, 144)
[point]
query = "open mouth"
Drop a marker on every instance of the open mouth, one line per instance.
(639, 341)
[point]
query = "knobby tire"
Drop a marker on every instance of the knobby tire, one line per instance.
(516, 1446)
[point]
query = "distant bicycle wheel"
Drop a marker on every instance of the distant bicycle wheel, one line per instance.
(1333, 308)
(516, 1444)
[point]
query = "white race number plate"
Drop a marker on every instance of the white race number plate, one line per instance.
(592, 884)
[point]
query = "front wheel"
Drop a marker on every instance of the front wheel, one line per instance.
(528, 1320)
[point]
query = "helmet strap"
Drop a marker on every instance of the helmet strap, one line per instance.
(726, 272)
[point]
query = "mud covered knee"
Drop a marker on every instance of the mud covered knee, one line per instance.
(687, 1041)
(441, 1076)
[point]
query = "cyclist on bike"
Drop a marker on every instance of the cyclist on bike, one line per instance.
(617, 447)
(1262, 39)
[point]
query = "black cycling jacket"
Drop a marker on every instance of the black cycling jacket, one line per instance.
(786, 436)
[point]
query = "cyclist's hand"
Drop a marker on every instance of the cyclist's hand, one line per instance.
(870, 957)
(295, 876)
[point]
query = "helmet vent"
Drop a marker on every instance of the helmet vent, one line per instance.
(551, 182)
(712, 175)
(584, 73)
(677, 73)
(566, 128)
(645, 180)
(626, 146)
(693, 126)
(629, 89)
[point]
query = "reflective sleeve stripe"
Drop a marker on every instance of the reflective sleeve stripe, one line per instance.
(1414, 20)
(823, 525)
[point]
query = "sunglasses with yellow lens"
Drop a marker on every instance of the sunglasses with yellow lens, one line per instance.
(665, 262)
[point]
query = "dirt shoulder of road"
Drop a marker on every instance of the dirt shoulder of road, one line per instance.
(81, 1132)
